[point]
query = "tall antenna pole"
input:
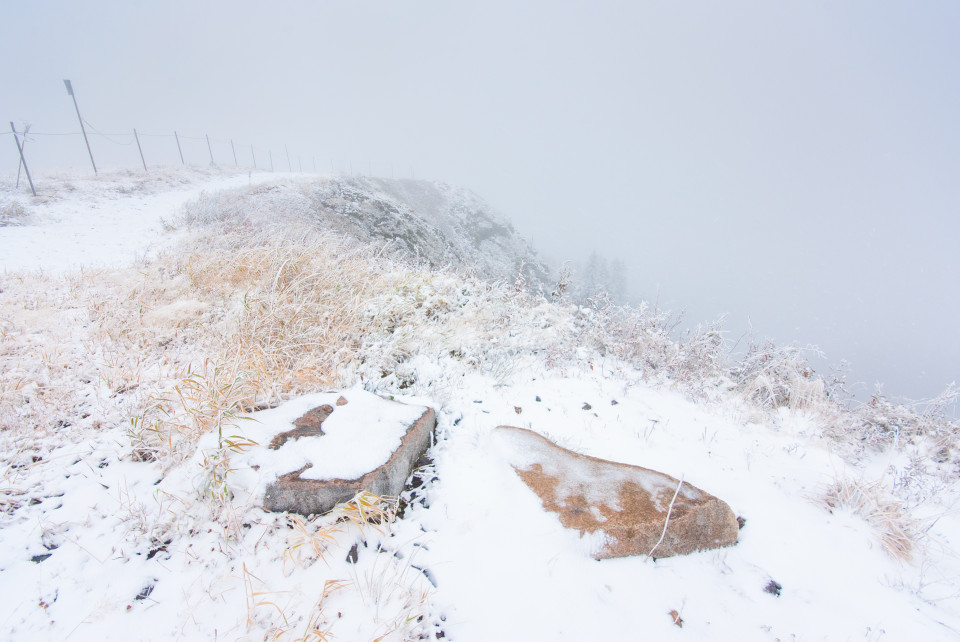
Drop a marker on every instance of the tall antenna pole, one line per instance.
(82, 128)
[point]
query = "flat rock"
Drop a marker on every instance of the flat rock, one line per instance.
(621, 508)
(340, 445)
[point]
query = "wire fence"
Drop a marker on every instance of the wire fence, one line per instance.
(153, 149)
(218, 151)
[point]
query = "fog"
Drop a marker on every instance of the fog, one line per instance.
(795, 166)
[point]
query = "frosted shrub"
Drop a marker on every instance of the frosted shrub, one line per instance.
(776, 376)
(635, 335)
(882, 421)
(641, 337)
(701, 357)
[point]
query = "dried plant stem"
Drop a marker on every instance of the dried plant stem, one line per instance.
(667, 521)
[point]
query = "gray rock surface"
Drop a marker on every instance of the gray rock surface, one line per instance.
(292, 493)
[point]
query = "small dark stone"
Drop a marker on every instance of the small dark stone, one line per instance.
(614, 402)
(427, 574)
(538, 398)
(741, 522)
(158, 549)
(517, 409)
(145, 592)
(587, 406)
(39, 558)
(773, 588)
(354, 554)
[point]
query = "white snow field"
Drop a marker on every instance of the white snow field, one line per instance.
(139, 326)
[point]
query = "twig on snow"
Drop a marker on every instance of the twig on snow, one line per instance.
(667, 521)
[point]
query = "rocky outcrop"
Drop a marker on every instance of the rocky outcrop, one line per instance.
(299, 492)
(622, 508)
(426, 221)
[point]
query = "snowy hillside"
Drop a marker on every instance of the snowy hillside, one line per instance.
(422, 222)
(143, 320)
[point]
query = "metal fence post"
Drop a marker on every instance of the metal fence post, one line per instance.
(178, 146)
(69, 86)
(22, 159)
(140, 148)
(210, 149)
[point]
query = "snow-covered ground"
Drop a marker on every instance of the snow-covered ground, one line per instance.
(106, 532)
(108, 221)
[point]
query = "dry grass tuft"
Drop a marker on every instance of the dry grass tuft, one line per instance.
(889, 519)
(13, 213)
(309, 541)
(367, 510)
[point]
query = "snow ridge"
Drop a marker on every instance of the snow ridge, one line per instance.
(125, 397)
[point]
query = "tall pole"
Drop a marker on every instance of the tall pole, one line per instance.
(254, 157)
(22, 147)
(69, 86)
(289, 166)
(271, 160)
(140, 148)
(178, 147)
(210, 149)
(235, 163)
(22, 159)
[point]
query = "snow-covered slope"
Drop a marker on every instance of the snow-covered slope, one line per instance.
(443, 224)
(109, 220)
(126, 512)
(419, 221)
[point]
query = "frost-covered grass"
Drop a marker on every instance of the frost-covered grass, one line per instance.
(124, 394)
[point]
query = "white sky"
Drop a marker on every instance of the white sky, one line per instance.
(794, 164)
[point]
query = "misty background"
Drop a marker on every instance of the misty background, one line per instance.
(793, 166)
